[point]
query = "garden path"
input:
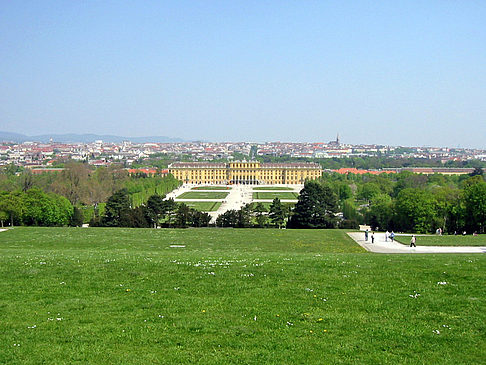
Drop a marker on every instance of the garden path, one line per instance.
(382, 246)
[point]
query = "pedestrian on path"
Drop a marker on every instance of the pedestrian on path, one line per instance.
(412, 241)
(386, 235)
(372, 237)
(366, 234)
(392, 236)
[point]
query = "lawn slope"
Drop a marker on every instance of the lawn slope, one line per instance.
(232, 296)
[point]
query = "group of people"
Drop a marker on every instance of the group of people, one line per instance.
(390, 236)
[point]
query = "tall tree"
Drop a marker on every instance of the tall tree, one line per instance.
(117, 210)
(199, 219)
(277, 213)
(260, 215)
(475, 206)
(170, 207)
(155, 209)
(416, 211)
(316, 207)
(182, 216)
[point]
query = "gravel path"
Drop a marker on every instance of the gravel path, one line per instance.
(381, 246)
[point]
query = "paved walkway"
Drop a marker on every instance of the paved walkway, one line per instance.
(381, 246)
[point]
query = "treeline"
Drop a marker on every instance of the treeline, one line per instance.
(375, 162)
(110, 197)
(155, 213)
(412, 202)
(35, 208)
(86, 189)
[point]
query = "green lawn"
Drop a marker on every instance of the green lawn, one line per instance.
(273, 195)
(204, 206)
(272, 188)
(211, 187)
(96, 295)
(446, 240)
(203, 195)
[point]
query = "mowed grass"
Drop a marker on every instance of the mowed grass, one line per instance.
(211, 187)
(445, 240)
(273, 195)
(203, 195)
(204, 206)
(250, 296)
(272, 188)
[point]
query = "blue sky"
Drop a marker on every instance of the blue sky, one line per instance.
(396, 72)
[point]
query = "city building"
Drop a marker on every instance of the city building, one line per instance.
(245, 172)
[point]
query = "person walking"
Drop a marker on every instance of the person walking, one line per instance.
(372, 237)
(392, 236)
(386, 235)
(412, 241)
(366, 234)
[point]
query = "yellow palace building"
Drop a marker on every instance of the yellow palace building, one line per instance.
(243, 172)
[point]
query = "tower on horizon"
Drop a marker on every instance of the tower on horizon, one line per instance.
(336, 142)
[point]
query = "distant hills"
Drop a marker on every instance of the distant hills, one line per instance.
(83, 138)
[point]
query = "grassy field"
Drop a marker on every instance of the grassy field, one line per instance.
(434, 240)
(204, 206)
(272, 188)
(211, 187)
(94, 295)
(273, 195)
(203, 195)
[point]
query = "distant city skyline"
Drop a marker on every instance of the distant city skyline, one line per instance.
(402, 73)
(91, 137)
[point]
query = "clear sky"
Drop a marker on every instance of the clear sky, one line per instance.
(390, 72)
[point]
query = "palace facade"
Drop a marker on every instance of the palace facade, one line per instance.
(243, 172)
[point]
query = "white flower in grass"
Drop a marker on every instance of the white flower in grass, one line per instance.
(442, 283)
(290, 324)
(437, 332)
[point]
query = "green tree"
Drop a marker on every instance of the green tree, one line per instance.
(260, 216)
(277, 213)
(475, 206)
(155, 209)
(368, 190)
(199, 219)
(78, 218)
(170, 207)
(244, 216)
(415, 211)
(380, 212)
(11, 205)
(228, 219)
(182, 216)
(117, 210)
(316, 207)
